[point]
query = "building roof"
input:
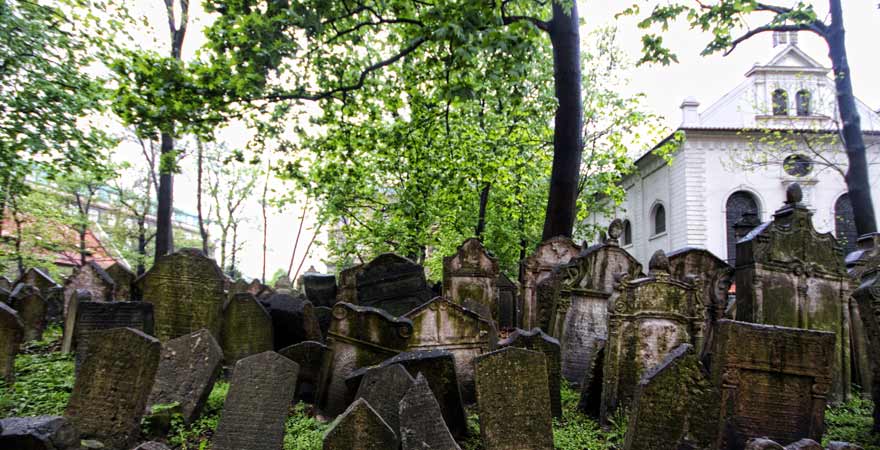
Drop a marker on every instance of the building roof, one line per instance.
(67, 255)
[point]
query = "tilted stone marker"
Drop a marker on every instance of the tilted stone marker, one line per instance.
(186, 289)
(11, 337)
(359, 428)
(513, 400)
(293, 320)
(382, 388)
(90, 277)
(324, 314)
(123, 279)
(507, 302)
(260, 393)
(309, 355)
(538, 341)
(54, 306)
(247, 328)
(538, 267)
(188, 367)
(31, 308)
(111, 388)
(39, 279)
(867, 297)
(95, 316)
(319, 288)
(38, 433)
(421, 422)
(469, 278)
(389, 282)
(70, 319)
(862, 265)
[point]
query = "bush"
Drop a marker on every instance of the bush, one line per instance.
(302, 431)
(43, 380)
(851, 422)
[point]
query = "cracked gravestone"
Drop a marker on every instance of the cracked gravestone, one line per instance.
(11, 337)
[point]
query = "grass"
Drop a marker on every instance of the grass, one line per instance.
(43, 379)
(851, 422)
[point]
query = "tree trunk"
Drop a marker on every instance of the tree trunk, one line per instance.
(199, 171)
(265, 223)
(142, 245)
(234, 249)
(857, 181)
(296, 242)
(567, 145)
(82, 244)
(484, 200)
(164, 207)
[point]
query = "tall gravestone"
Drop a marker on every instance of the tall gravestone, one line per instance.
(31, 308)
(383, 388)
(123, 279)
(70, 319)
(862, 266)
(649, 317)
(443, 324)
(11, 337)
(95, 316)
(90, 277)
(359, 428)
(247, 328)
(293, 319)
(421, 421)
(538, 341)
(358, 337)
(55, 306)
(309, 355)
(111, 388)
(319, 288)
(507, 303)
(469, 278)
(186, 290)
(578, 315)
(789, 274)
(537, 268)
(389, 282)
(774, 381)
(39, 279)
(867, 297)
(513, 400)
(260, 393)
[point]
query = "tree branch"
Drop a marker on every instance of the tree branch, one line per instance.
(815, 27)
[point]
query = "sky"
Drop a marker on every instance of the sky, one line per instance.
(705, 78)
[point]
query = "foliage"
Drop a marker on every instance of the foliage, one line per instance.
(43, 380)
(575, 431)
(302, 431)
(197, 436)
(852, 422)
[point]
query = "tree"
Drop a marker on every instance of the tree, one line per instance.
(230, 186)
(725, 15)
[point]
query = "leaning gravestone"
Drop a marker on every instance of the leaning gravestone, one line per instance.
(309, 355)
(382, 388)
(537, 268)
(537, 340)
(513, 400)
(320, 288)
(715, 277)
(863, 266)
(293, 320)
(39, 279)
(186, 289)
(590, 402)
(421, 422)
(260, 393)
(123, 279)
(359, 428)
(11, 337)
(789, 274)
(111, 388)
(867, 297)
(469, 278)
(31, 308)
(96, 316)
(389, 282)
(774, 381)
(324, 314)
(507, 302)
(54, 306)
(247, 328)
(38, 433)
(188, 367)
(90, 277)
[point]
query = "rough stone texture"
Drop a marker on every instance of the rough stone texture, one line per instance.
(54, 305)
(382, 388)
(188, 367)
(95, 316)
(790, 275)
(469, 278)
(536, 268)
(186, 288)
(38, 433)
(247, 328)
(111, 388)
(445, 325)
(649, 317)
(293, 320)
(260, 393)
(70, 319)
(762, 444)
(507, 302)
(867, 298)
(389, 282)
(358, 337)
(359, 428)
(320, 288)
(864, 268)
(676, 406)
(421, 422)
(538, 341)
(11, 337)
(90, 277)
(513, 400)
(324, 314)
(152, 445)
(804, 444)
(39, 279)
(31, 308)
(123, 279)
(774, 381)
(590, 402)
(837, 445)
(283, 285)
(309, 355)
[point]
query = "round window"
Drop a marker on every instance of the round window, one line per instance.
(797, 165)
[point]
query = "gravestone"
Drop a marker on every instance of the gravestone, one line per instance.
(590, 402)
(247, 328)
(389, 282)
(507, 303)
(675, 406)
(70, 319)
(863, 266)
(774, 381)
(11, 337)
(383, 388)
(39, 279)
(309, 355)
(90, 277)
(359, 428)
(358, 337)
(293, 320)
(445, 325)
(188, 367)
(319, 288)
(513, 400)
(38, 433)
(31, 308)
(256, 288)
(123, 279)
(537, 340)
(539, 266)
(54, 305)
(649, 317)
(867, 297)
(283, 286)
(260, 392)
(111, 388)
(186, 290)
(324, 314)
(421, 421)
(96, 316)
(469, 278)
(789, 274)
(578, 313)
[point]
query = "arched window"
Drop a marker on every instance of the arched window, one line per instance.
(780, 102)
(627, 233)
(845, 224)
(659, 219)
(803, 102)
(738, 204)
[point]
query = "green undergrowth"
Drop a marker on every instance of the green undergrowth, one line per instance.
(852, 422)
(43, 379)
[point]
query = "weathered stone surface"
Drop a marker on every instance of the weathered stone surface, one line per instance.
(38, 433)
(54, 305)
(864, 267)
(382, 388)
(247, 328)
(804, 444)
(260, 393)
(649, 317)
(111, 388)
(838, 445)
(90, 277)
(188, 367)
(513, 400)
(319, 288)
(309, 355)
(539, 341)
(359, 428)
(283, 285)
(389, 282)
(70, 319)
(293, 320)
(444, 325)
(152, 445)
(186, 289)
(867, 298)
(507, 302)
(774, 381)
(324, 314)
(123, 279)
(469, 278)
(39, 279)
(421, 421)
(11, 337)
(762, 444)
(789, 274)
(95, 316)
(539, 266)
(31, 308)
(358, 337)
(590, 402)
(676, 406)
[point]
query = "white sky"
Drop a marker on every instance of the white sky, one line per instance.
(705, 78)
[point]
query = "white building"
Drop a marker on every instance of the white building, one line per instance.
(777, 127)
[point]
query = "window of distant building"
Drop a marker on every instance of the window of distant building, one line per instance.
(797, 165)
(659, 219)
(627, 233)
(780, 102)
(803, 102)
(738, 205)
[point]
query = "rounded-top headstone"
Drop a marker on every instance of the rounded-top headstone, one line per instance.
(794, 194)
(615, 229)
(659, 262)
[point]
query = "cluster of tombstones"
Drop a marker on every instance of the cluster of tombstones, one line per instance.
(393, 364)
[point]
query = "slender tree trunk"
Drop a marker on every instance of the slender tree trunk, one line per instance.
(484, 200)
(265, 222)
(199, 171)
(298, 232)
(142, 245)
(857, 181)
(567, 145)
(234, 249)
(164, 207)
(224, 235)
(82, 245)
(17, 220)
